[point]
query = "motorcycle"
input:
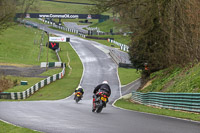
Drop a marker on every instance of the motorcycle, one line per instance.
(78, 96)
(100, 102)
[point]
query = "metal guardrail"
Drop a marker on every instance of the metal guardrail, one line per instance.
(123, 47)
(177, 101)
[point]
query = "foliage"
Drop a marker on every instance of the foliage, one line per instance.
(165, 32)
(176, 80)
(6, 83)
(24, 6)
(8, 9)
(7, 12)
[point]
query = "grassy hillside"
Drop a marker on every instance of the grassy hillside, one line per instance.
(79, 1)
(17, 46)
(66, 86)
(116, 27)
(119, 38)
(176, 80)
(56, 7)
(107, 25)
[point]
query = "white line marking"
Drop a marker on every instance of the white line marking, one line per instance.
(152, 113)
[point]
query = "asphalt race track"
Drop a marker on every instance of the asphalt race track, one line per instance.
(65, 116)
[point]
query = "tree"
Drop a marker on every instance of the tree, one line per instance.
(25, 5)
(8, 10)
(165, 32)
(7, 13)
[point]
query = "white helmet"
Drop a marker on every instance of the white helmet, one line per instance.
(79, 86)
(105, 82)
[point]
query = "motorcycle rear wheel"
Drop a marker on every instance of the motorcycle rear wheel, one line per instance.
(77, 99)
(99, 109)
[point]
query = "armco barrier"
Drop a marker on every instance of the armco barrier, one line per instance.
(115, 57)
(123, 47)
(177, 101)
(60, 26)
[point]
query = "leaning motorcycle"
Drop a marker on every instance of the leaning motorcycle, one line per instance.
(100, 102)
(78, 96)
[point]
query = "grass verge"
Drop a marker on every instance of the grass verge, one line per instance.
(109, 24)
(127, 75)
(62, 30)
(65, 86)
(126, 104)
(8, 128)
(17, 46)
(56, 7)
(119, 38)
(176, 80)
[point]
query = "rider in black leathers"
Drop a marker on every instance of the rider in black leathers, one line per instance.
(80, 89)
(104, 87)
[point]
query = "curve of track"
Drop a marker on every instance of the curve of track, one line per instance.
(65, 116)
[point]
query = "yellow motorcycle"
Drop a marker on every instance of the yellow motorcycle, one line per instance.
(78, 96)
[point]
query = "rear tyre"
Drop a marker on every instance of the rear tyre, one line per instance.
(99, 109)
(77, 99)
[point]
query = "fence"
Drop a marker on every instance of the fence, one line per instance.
(123, 47)
(177, 101)
(60, 26)
(34, 88)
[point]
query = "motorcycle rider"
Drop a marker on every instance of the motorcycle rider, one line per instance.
(104, 87)
(79, 89)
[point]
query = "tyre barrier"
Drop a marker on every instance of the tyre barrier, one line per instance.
(25, 94)
(177, 101)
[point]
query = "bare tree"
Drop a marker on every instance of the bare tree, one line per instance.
(7, 13)
(25, 5)
(8, 9)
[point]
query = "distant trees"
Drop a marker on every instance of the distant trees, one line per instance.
(7, 13)
(8, 9)
(165, 32)
(25, 5)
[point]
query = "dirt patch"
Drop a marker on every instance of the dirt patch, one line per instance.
(6, 83)
(12, 64)
(147, 84)
(33, 71)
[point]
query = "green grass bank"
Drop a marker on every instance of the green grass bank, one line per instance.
(175, 80)
(18, 47)
(126, 104)
(8, 128)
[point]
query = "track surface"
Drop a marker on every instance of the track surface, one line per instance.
(65, 116)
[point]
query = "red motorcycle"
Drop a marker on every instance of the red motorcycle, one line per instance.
(100, 102)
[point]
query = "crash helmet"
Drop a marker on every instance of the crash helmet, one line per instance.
(79, 86)
(105, 82)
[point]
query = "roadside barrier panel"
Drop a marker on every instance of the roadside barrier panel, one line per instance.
(115, 57)
(123, 47)
(34, 88)
(177, 101)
